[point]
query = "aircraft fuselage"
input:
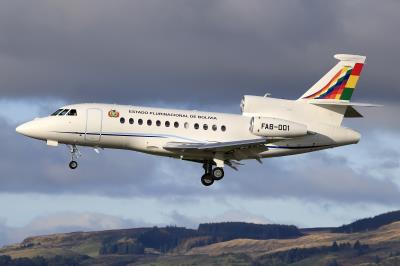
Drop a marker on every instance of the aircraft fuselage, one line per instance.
(148, 130)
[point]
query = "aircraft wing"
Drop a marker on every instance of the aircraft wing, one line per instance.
(214, 146)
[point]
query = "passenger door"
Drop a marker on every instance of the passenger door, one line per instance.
(94, 119)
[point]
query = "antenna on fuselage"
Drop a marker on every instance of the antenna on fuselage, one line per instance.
(267, 94)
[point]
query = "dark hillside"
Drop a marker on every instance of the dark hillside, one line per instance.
(228, 243)
(368, 224)
(233, 230)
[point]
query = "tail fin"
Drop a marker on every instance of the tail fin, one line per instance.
(339, 83)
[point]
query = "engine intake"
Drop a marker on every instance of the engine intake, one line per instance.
(276, 128)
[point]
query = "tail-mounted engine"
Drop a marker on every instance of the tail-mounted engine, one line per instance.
(276, 128)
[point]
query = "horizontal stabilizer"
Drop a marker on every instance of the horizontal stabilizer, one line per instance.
(341, 103)
(350, 111)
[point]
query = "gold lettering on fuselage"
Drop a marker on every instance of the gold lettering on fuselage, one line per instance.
(169, 114)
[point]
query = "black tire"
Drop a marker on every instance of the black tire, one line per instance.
(218, 173)
(73, 165)
(207, 180)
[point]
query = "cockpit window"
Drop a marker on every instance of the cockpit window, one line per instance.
(56, 112)
(72, 112)
(63, 112)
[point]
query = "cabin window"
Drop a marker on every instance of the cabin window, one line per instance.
(205, 126)
(176, 124)
(214, 127)
(131, 121)
(158, 123)
(196, 126)
(149, 122)
(223, 128)
(56, 112)
(167, 123)
(122, 120)
(186, 125)
(140, 121)
(63, 112)
(72, 112)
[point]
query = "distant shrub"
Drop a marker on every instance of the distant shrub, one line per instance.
(121, 248)
(165, 239)
(298, 254)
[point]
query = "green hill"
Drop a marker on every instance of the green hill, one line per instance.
(211, 244)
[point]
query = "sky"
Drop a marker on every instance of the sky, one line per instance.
(191, 54)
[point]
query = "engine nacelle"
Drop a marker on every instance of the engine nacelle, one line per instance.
(276, 128)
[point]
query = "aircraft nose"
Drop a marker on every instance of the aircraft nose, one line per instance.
(29, 129)
(23, 129)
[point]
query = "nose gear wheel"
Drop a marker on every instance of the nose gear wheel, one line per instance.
(75, 154)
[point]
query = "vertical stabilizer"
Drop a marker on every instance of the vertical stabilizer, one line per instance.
(339, 83)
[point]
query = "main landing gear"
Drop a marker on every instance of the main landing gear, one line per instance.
(75, 154)
(211, 175)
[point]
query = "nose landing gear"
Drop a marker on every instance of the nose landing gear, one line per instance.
(73, 165)
(75, 154)
(211, 175)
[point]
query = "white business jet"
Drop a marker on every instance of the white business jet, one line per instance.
(267, 127)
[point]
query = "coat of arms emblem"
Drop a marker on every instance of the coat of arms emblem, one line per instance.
(113, 113)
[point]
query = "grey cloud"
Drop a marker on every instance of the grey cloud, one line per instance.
(317, 177)
(169, 53)
(380, 120)
(389, 158)
(232, 215)
(182, 220)
(141, 51)
(390, 164)
(63, 222)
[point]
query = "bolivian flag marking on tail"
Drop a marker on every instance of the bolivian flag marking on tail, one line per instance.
(341, 86)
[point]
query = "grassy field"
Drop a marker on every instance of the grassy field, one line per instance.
(386, 235)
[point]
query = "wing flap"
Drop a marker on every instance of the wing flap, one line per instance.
(214, 146)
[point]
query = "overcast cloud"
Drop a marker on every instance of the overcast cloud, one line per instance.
(214, 51)
(201, 54)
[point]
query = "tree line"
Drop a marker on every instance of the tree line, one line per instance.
(368, 224)
(168, 238)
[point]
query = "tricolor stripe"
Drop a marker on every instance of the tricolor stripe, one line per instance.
(352, 82)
